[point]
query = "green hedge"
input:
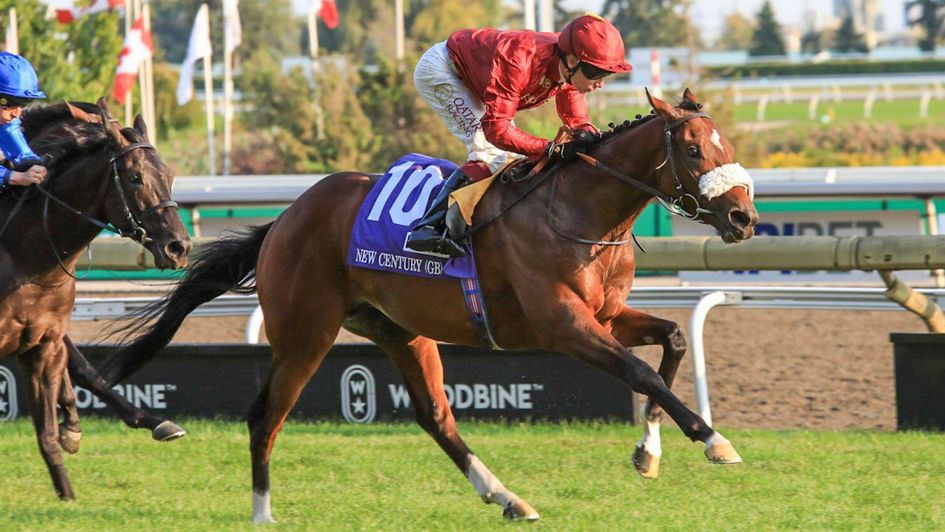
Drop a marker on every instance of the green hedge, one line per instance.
(826, 68)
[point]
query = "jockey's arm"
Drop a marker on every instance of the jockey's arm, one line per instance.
(572, 109)
(27, 166)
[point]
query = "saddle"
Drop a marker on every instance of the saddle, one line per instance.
(463, 202)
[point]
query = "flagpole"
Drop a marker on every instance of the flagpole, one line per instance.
(208, 95)
(399, 28)
(313, 53)
(227, 93)
(149, 117)
(129, 17)
(13, 35)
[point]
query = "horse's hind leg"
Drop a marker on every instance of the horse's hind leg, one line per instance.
(46, 366)
(633, 328)
(418, 360)
(69, 432)
(297, 351)
(86, 376)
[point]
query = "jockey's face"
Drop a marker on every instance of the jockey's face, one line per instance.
(9, 114)
(580, 81)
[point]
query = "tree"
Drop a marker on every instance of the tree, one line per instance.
(736, 34)
(847, 39)
(767, 38)
(929, 15)
(75, 61)
(650, 23)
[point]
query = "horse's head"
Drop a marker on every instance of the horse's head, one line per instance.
(139, 202)
(700, 166)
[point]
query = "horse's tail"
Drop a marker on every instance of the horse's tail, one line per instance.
(226, 264)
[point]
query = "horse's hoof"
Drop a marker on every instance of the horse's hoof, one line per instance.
(646, 464)
(520, 511)
(69, 440)
(722, 453)
(167, 431)
(263, 520)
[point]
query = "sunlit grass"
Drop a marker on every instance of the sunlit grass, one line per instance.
(329, 476)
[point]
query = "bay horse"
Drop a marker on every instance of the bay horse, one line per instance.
(552, 274)
(100, 176)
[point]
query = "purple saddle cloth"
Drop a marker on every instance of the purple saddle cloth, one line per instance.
(389, 211)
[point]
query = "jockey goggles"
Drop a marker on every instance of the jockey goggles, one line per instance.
(9, 102)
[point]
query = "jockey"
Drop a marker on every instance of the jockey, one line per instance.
(18, 86)
(476, 81)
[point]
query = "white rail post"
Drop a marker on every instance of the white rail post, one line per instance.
(254, 325)
(924, 103)
(696, 324)
(762, 105)
(868, 104)
(812, 107)
(835, 91)
(888, 91)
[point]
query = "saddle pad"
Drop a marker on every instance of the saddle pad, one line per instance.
(389, 211)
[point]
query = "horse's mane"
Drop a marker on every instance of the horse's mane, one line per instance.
(627, 125)
(67, 129)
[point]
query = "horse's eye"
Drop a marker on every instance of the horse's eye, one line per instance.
(135, 177)
(693, 151)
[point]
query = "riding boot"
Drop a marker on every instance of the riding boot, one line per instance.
(429, 235)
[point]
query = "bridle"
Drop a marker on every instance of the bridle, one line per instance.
(675, 205)
(136, 231)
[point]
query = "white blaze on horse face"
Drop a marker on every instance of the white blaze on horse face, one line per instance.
(717, 140)
(261, 511)
(720, 180)
(487, 485)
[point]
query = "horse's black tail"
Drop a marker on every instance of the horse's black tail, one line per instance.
(226, 264)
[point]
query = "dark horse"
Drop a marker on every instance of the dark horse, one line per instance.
(545, 286)
(100, 175)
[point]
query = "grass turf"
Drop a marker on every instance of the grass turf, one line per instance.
(330, 476)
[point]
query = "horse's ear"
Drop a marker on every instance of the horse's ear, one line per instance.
(689, 96)
(141, 126)
(663, 109)
(109, 123)
(79, 114)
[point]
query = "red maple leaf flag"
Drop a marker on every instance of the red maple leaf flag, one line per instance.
(69, 14)
(136, 49)
(329, 14)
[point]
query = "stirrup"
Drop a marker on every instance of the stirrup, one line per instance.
(436, 245)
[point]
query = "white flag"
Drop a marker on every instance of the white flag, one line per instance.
(232, 31)
(198, 47)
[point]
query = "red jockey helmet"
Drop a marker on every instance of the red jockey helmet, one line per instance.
(594, 40)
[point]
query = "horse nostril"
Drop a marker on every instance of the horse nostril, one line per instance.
(740, 218)
(177, 248)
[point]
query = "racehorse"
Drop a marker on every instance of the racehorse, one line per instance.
(555, 274)
(100, 177)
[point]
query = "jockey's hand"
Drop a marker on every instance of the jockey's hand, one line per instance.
(565, 151)
(586, 136)
(33, 176)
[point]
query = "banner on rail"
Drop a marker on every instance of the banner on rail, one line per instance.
(810, 223)
(357, 383)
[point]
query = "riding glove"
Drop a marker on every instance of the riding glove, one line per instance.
(565, 151)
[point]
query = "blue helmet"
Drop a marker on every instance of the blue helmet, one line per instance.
(18, 80)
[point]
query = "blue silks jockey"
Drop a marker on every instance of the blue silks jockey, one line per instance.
(18, 87)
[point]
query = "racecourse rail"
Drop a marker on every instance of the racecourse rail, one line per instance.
(885, 254)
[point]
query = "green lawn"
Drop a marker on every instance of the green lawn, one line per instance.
(901, 112)
(392, 477)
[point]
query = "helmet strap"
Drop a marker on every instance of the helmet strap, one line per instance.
(569, 72)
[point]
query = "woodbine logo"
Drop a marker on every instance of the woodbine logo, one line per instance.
(358, 396)
(8, 407)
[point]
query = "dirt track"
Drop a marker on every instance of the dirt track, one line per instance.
(767, 369)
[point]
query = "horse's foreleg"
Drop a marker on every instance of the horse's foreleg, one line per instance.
(46, 366)
(86, 376)
(633, 328)
(418, 360)
(69, 432)
(572, 329)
